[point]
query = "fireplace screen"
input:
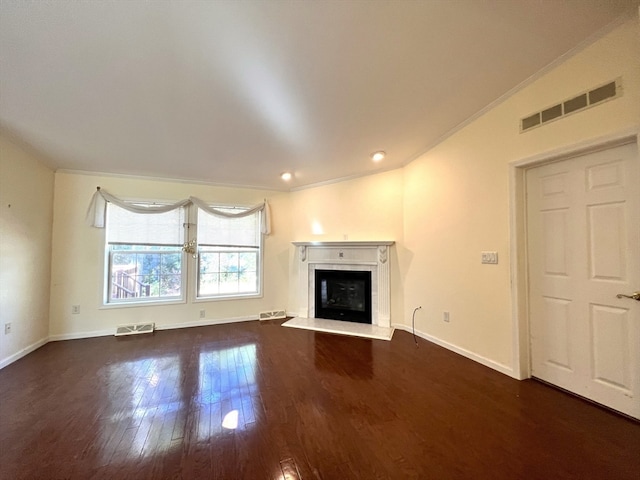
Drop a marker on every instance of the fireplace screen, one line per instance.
(343, 295)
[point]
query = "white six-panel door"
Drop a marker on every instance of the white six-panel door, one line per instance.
(583, 244)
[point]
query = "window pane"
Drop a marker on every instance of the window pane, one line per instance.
(209, 284)
(121, 260)
(248, 261)
(167, 274)
(228, 262)
(170, 263)
(228, 282)
(209, 262)
(145, 274)
(248, 282)
(169, 285)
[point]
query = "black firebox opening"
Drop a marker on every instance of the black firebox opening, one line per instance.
(343, 295)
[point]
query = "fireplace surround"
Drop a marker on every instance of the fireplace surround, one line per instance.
(369, 256)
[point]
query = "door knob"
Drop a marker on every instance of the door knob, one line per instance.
(633, 296)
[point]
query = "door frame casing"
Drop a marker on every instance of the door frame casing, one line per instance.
(521, 355)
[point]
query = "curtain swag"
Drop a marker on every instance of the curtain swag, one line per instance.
(97, 211)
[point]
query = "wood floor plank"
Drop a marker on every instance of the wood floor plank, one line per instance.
(309, 406)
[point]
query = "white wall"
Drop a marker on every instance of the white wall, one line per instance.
(26, 212)
(78, 258)
(456, 196)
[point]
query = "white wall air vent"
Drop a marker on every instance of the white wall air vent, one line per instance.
(273, 315)
(134, 329)
(580, 102)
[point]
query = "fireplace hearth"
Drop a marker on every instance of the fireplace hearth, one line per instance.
(343, 295)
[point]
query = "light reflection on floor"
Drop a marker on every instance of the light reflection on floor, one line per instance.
(170, 397)
(227, 383)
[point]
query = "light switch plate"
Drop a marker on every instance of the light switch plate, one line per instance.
(490, 257)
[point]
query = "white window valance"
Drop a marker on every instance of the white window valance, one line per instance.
(97, 211)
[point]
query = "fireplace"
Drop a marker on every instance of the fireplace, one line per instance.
(343, 295)
(370, 258)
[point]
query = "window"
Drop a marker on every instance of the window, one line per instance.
(145, 261)
(144, 255)
(228, 254)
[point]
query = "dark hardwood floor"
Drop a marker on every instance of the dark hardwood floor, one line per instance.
(306, 405)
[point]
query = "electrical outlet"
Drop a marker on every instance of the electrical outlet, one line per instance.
(202, 313)
(489, 257)
(7, 328)
(445, 316)
(75, 309)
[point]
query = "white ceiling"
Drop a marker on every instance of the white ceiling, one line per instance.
(236, 92)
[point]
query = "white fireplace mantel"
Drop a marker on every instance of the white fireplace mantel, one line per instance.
(372, 256)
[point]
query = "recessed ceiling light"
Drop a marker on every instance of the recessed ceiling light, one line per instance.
(377, 156)
(286, 176)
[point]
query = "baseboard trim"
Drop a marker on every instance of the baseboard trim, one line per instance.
(77, 336)
(171, 326)
(461, 351)
(206, 322)
(21, 353)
